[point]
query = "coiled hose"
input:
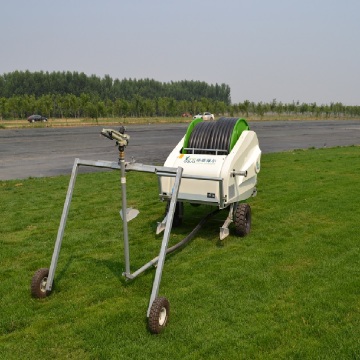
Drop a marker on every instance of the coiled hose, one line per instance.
(212, 137)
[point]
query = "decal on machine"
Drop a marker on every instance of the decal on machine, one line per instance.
(197, 160)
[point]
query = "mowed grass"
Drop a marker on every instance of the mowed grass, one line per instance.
(290, 290)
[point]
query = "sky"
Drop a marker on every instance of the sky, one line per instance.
(288, 50)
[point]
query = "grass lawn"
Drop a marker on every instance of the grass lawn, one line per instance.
(290, 290)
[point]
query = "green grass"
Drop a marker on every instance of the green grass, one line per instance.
(290, 290)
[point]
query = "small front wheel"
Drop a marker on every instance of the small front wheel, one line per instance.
(159, 315)
(38, 283)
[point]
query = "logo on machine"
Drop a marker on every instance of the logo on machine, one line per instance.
(196, 160)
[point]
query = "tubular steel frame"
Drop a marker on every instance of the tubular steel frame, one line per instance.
(159, 260)
(124, 167)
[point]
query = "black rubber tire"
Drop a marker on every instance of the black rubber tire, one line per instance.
(159, 315)
(178, 215)
(38, 283)
(242, 219)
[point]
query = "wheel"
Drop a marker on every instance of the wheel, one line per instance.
(38, 283)
(159, 315)
(179, 213)
(242, 219)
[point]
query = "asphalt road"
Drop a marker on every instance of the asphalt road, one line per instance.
(42, 152)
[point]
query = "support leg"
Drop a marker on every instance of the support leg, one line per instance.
(60, 234)
(165, 241)
(224, 230)
(124, 212)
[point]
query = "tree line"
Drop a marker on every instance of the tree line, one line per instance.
(91, 106)
(333, 110)
(76, 95)
(21, 83)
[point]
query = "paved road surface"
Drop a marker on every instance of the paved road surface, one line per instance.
(49, 152)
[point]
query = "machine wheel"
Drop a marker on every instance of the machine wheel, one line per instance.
(242, 219)
(38, 283)
(178, 215)
(159, 315)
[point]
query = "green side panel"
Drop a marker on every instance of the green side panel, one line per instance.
(239, 127)
(188, 133)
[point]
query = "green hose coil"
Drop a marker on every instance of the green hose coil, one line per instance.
(215, 135)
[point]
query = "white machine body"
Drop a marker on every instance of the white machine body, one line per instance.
(217, 180)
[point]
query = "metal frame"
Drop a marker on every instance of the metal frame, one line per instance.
(159, 260)
(167, 222)
(169, 172)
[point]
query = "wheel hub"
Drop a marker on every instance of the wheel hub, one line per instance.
(162, 316)
(43, 284)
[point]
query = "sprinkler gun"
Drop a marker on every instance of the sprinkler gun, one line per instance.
(121, 138)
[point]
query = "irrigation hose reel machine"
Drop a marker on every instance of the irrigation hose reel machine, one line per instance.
(215, 163)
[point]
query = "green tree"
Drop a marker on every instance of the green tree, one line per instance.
(163, 105)
(45, 104)
(121, 107)
(3, 108)
(149, 107)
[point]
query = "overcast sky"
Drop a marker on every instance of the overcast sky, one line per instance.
(301, 50)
